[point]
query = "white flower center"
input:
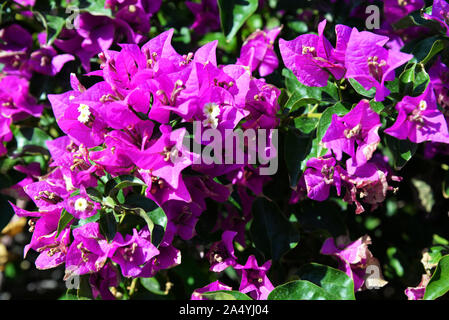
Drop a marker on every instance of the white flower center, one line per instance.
(81, 204)
(211, 111)
(84, 111)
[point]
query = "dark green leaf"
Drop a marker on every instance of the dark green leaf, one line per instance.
(306, 124)
(234, 13)
(63, 222)
(360, 90)
(401, 150)
(439, 283)
(108, 225)
(225, 295)
(334, 281)
(326, 118)
(271, 232)
(297, 147)
(299, 290)
(55, 25)
(6, 212)
(437, 47)
(118, 183)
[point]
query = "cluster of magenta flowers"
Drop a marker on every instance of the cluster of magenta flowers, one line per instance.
(123, 188)
(122, 126)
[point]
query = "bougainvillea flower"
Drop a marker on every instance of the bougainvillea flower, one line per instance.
(168, 257)
(254, 279)
(182, 217)
(440, 13)
(207, 17)
(15, 46)
(310, 58)
(81, 206)
(101, 281)
(52, 250)
(417, 293)
(358, 127)
(320, 175)
(47, 196)
(214, 286)
(133, 251)
(420, 120)
(369, 182)
(89, 250)
(258, 51)
(221, 253)
(47, 61)
(15, 99)
(368, 62)
(353, 258)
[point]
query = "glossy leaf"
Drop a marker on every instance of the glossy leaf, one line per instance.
(225, 295)
(299, 290)
(439, 283)
(271, 232)
(234, 13)
(64, 221)
(334, 281)
(301, 144)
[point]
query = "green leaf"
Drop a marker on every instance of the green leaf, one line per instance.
(422, 80)
(401, 150)
(118, 183)
(299, 290)
(301, 91)
(225, 295)
(360, 90)
(31, 140)
(326, 118)
(94, 194)
(6, 212)
(271, 232)
(152, 285)
(439, 283)
(82, 222)
(55, 25)
(108, 225)
(97, 8)
(297, 146)
(153, 215)
(377, 107)
(334, 281)
(234, 13)
(306, 124)
(436, 48)
(64, 220)
(407, 80)
(85, 290)
(426, 49)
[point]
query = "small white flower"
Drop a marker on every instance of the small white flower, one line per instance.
(81, 204)
(209, 121)
(211, 110)
(84, 111)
